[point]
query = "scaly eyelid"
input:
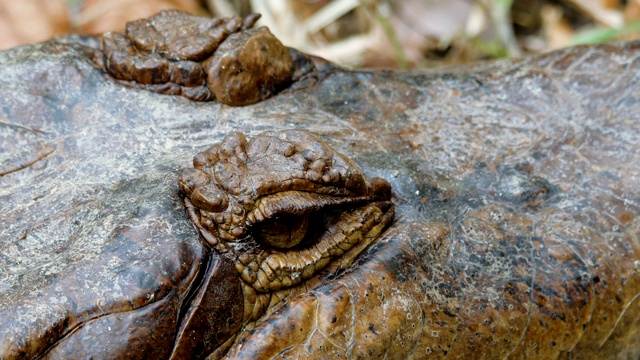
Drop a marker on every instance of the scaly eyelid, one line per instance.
(351, 232)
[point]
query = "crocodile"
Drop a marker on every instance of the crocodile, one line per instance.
(489, 211)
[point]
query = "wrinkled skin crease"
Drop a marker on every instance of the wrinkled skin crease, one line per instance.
(287, 210)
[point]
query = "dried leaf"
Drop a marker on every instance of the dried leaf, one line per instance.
(98, 16)
(29, 21)
(557, 30)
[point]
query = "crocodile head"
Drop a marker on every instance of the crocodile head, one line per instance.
(286, 210)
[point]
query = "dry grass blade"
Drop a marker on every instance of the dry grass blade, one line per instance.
(597, 11)
(329, 14)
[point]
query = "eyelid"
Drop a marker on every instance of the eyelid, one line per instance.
(297, 203)
(345, 237)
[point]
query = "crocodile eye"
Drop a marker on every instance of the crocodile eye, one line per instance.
(285, 231)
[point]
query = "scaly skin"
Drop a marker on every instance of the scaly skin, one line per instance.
(283, 206)
(202, 59)
(515, 232)
(514, 277)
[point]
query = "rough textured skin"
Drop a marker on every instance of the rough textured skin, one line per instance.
(282, 206)
(515, 233)
(201, 58)
(248, 67)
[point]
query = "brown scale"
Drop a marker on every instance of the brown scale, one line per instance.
(202, 58)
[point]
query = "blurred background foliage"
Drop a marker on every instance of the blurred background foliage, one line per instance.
(360, 33)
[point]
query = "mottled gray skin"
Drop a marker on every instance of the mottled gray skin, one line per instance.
(517, 190)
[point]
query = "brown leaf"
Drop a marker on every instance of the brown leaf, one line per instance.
(29, 21)
(98, 16)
